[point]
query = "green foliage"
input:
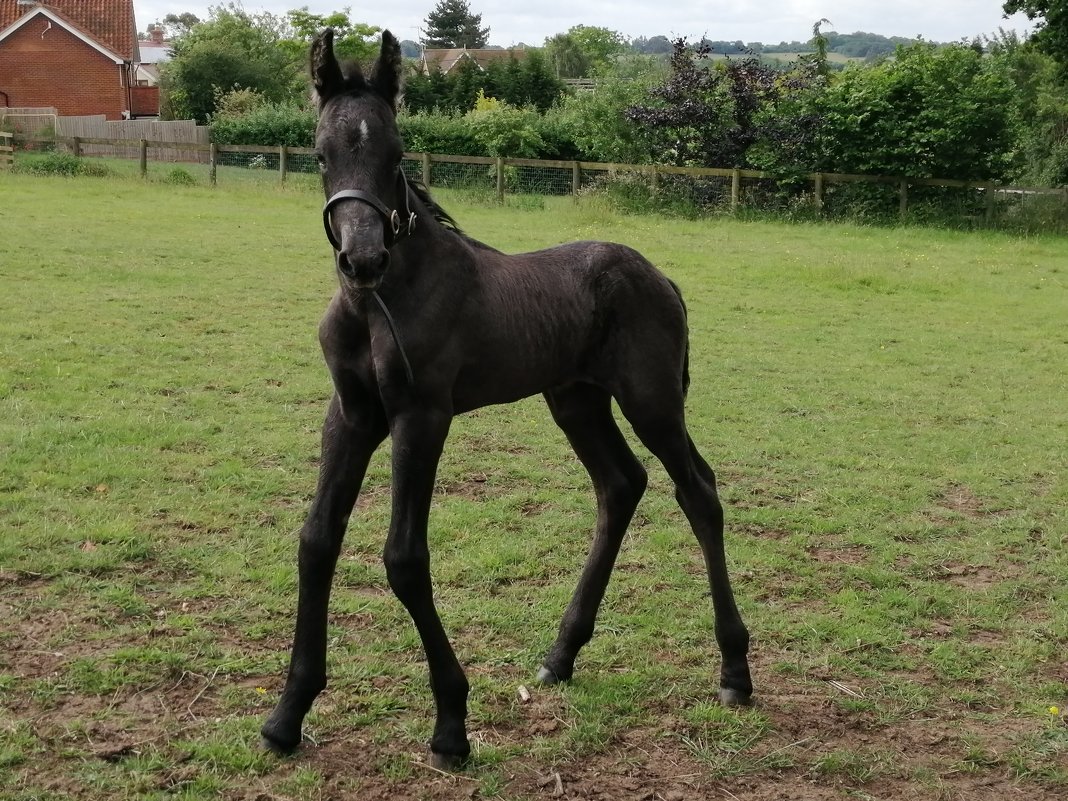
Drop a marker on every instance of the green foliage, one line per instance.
(452, 24)
(438, 132)
(232, 50)
(180, 176)
(931, 111)
(584, 50)
(63, 164)
(352, 40)
(245, 119)
(1051, 33)
(566, 57)
(1042, 149)
(520, 82)
(597, 120)
(504, 130)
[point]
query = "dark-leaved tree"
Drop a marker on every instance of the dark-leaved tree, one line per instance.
(703, 114)
(451, 24)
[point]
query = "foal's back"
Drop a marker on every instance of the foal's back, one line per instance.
(582, 312)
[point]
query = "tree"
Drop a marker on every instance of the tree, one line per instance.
(599, 45)
(655, 45)
(1051, 35)
(566, 57)
(352, 40)
(177, 24)
(451, 24)
(232, 50)
(703, 114)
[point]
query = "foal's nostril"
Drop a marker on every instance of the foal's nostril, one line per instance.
(363, 267)
(345, 266)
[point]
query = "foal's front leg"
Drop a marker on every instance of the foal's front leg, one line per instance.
(418, 439)
(346, 450)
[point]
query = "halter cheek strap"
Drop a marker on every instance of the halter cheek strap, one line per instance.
(395, 230)
(398, 225)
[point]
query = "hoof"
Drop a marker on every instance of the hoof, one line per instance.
(450, 763)
(547, 676)
(731, 697)
(275, 745)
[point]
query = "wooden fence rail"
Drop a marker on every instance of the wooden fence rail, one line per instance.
(211, 153)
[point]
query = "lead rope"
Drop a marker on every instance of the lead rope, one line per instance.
(396, 337)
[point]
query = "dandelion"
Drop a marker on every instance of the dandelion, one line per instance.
(261, 690)
(1054, 711)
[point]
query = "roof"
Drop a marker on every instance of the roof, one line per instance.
(108, 25)
(155, 54)
(444, 59)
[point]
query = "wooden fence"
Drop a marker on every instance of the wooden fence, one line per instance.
(495, 171)
(7, 152)
(122, 138)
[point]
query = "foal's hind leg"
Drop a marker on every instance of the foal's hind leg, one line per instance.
(347, 448)
(663, 431)
(584, 412)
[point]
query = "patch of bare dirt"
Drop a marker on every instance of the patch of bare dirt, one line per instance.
(813, 718)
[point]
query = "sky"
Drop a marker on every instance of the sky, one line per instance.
(533, 21)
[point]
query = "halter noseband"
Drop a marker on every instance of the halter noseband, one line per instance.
(395, 222)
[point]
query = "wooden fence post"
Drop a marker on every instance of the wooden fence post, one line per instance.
(283, 152)
(144, 158)
(7, 151)
(988, 211)
(76, 146)
(576, 179)
(736, 188)
(213, 162)
(903, 197)
(500, 180)
(817, 192)
(654, 179)
(426, 170)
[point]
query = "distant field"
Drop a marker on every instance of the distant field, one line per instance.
(886, 410)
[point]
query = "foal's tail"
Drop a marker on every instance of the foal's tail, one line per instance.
(686, 354)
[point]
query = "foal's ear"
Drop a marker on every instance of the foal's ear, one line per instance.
(325, 71)
(386, 74)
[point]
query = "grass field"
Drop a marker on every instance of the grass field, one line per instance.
(887, 410)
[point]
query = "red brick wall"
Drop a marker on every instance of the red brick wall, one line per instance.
(145, 101)
(59, 69)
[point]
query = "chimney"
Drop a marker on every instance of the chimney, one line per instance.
(155, 33)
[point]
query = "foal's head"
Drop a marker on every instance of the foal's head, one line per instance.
(359, 152)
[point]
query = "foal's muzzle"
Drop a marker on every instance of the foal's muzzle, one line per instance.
(398, 223)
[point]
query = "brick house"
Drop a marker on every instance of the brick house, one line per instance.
(78, 56)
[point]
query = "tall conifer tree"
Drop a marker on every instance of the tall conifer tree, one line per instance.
(451, 24)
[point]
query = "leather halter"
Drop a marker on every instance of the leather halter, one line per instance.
(395, 230)
(393, 218)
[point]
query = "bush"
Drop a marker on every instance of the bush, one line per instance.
(270, 124)
(435, 132)
(179, 176)
(61, 164)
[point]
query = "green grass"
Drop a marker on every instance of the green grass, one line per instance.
(885, 409)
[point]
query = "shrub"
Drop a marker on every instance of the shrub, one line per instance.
(436, 132)
(61, 164)
(270, 124)
(179, 176)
